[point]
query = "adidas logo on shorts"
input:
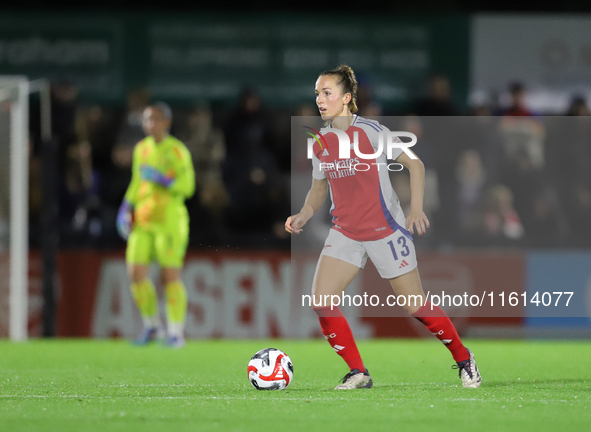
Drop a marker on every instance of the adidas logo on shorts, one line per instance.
(404, 264)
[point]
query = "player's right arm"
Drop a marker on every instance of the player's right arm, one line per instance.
(314, 201)
(124, 215)
(131, 195)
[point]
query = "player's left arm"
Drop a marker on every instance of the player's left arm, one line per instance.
(184, 178)
(416, 217)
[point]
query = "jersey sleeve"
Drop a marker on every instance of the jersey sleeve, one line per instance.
(317, 172)
(374, 131)
(396, 152)
(131, 195)
(184, 181)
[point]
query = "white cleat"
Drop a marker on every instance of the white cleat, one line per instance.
(356, 380)
(469, 372)
(149, 335)
(174, 341)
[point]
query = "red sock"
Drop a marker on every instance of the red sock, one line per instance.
(439, 324)
(337, 332)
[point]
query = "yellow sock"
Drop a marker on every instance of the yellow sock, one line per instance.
(176, 307)
(146, 300)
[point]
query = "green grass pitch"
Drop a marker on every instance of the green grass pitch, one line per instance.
(111, 386)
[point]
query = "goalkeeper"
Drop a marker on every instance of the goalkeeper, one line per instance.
(155, 222)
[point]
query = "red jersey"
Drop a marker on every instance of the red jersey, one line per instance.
(364, 204)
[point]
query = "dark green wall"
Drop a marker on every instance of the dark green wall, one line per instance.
(184, 58)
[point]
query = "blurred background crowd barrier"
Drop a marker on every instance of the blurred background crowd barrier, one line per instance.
(522, 182)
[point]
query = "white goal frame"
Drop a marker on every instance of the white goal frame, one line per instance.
(15, 89)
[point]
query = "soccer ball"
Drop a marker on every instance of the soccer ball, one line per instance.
(270, 369)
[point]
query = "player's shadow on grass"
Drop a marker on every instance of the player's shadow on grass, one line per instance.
(316, 389)
(540, 384)
(523, 384)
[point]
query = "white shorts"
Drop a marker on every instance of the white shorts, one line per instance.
(393, 255)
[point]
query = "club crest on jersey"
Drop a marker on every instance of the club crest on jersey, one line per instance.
(316, 137)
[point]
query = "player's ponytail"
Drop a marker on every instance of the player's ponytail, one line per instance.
(346, 80)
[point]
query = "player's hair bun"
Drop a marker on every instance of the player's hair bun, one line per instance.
(347, 81)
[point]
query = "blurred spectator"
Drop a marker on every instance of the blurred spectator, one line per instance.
(368, 106)
(258, 193)
(569, 154)
(526, 182)
(64, 102)
(99, 126)
(248, 131)
(95, 173)
(546, 225)
(534, 200)
(578, 107)
(521, 135)
(208, 149)
(472, 189)
(130, 132)
(523, 141)
(481, 111)
(517, 106)
(80, 208)
(80, 179)
(243, 179)
(500, 218)
(440, 150)
(438, 101)
(483, 135)
(307, 110)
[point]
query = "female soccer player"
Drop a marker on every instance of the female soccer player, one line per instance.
(367, 222)
(154, 220)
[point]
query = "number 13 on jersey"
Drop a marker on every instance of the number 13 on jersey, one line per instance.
(402, 243)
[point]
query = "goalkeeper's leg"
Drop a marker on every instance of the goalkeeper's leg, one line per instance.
(171, 246)
(144, 294)
(176, 305)
(138, 256)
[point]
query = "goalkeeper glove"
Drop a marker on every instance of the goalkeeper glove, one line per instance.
(124, 217)
(152, 174)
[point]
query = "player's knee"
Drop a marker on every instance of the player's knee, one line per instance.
(170, 275)
(137, 273)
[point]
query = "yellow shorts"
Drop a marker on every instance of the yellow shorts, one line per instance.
(167, 247)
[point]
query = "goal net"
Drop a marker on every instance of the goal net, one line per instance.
(14, 155)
